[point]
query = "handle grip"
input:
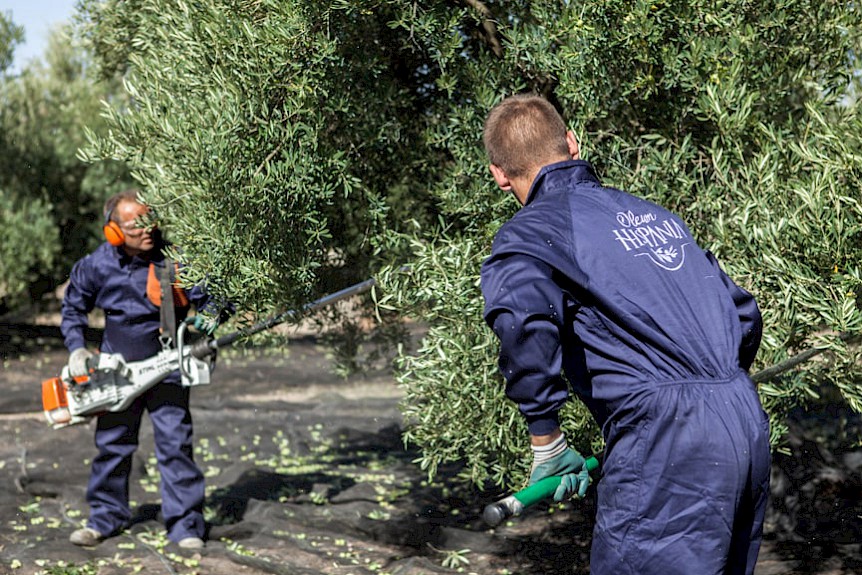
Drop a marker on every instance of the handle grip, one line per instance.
(544, 488)
(513, 505)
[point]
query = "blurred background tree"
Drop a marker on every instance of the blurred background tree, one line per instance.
(294, 147)
(10, 36)
(50, 201)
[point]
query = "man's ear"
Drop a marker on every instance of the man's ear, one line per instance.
(574, 149)
(501, 178)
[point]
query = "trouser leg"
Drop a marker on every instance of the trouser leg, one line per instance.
(748, 527)
(116, 438)
(182, 483)
(683, 483)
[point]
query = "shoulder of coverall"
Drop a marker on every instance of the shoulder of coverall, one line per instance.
(543, 229)
(103, 258)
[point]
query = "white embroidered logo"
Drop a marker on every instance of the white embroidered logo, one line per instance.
(658, 241)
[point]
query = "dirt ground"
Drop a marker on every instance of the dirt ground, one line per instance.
(307, 474)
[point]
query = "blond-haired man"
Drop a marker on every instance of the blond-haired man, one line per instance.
(655, 339)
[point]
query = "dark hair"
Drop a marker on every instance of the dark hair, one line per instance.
(109, 210)
(524, 131)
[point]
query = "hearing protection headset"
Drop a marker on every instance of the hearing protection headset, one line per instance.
(112, 230)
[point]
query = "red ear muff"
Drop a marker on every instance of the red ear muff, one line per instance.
(114, 234)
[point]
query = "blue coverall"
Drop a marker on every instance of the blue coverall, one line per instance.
(111, 280)
(614, 291)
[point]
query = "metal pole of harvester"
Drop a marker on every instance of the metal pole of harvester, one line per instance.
(207, 347)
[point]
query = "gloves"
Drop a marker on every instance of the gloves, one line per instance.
(205, 325)
(557, 458)
(78, 362)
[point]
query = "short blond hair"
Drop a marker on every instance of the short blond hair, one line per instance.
(522, 132)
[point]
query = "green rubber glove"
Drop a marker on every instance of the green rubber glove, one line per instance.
(558, 459)
(205, 325)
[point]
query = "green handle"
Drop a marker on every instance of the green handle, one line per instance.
(544, 488)
(497, 512)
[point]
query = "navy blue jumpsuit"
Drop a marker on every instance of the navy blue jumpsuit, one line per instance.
(656, 340)
(111, 280)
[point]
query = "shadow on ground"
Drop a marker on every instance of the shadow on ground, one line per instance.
(307, 474)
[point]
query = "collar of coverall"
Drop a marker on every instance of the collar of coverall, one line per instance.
(587, 173)
(152, 255)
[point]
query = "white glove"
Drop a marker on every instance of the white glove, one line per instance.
(78, 362)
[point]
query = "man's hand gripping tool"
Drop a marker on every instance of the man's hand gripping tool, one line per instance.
(515, 504)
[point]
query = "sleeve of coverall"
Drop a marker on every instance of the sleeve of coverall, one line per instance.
(749, 317)
(203, 302)
(524, 308)
(78, 302)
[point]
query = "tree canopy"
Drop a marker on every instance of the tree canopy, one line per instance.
(291, 147)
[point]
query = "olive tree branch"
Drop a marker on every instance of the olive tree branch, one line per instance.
(798, 359)
(488, 25)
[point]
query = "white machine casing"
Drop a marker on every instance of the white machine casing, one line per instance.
(113, 384)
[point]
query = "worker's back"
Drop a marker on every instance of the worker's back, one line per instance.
(644, 304)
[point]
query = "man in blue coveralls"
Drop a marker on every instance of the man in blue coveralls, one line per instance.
(653, 337)
(120, 278)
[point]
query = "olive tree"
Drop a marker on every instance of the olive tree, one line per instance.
(735, 115)
(294, 146)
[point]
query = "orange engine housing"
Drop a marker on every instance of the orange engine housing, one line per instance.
(54, 401)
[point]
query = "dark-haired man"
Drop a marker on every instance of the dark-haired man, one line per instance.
(121, 277)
